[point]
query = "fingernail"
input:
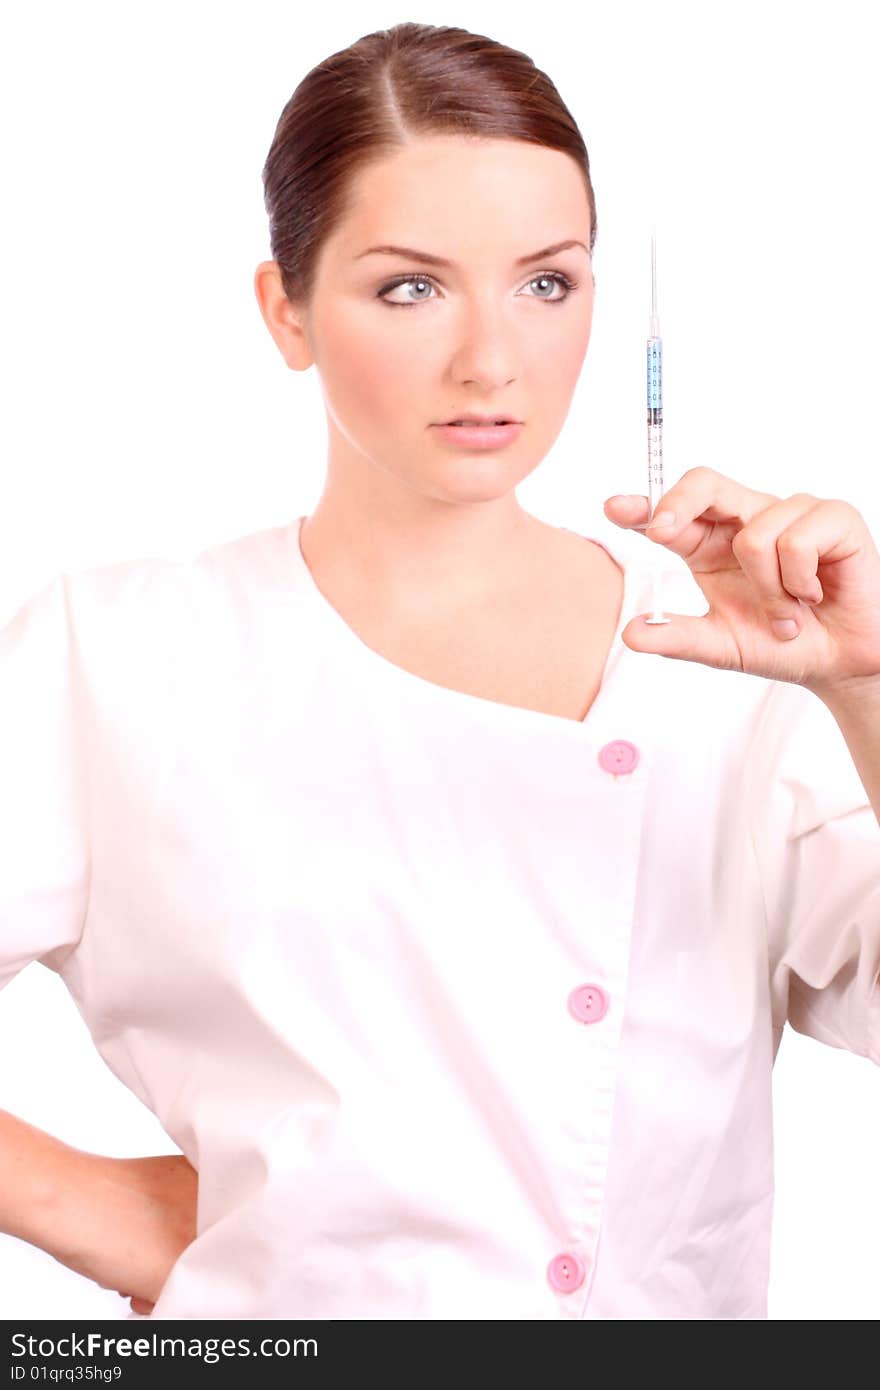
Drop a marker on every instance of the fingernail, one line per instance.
(784, 628)
(662, 519)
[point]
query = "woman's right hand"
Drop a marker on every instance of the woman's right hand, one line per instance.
(122, 1222)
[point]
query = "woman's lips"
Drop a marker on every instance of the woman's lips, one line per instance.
(479, 436)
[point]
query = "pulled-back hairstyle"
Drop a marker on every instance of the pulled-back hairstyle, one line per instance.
(366, 101)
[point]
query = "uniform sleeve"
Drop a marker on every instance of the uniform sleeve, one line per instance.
(44, 850)
(817, 843)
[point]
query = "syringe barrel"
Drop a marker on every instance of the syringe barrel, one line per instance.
(655, 373)
(655, 457)
(655, 420)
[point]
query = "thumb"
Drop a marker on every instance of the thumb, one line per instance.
(683, 637)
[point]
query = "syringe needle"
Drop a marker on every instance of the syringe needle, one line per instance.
(654, 276)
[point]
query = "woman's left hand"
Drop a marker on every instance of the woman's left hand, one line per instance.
(759, 559)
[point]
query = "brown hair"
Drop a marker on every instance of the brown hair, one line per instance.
(367, 100)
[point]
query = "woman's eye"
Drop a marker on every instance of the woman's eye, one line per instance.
(554, 278)
(422, 283)
(418, 282)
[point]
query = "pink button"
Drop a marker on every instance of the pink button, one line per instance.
(618, 756)
(566, 1272)
(588, 1003)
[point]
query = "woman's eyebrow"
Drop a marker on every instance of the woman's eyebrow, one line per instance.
(410, 254)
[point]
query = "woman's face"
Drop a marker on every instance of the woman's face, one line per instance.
(491, 332)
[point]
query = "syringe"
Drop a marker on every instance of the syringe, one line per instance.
(655, 424)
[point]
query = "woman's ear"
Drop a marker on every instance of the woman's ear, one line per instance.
(284, 321)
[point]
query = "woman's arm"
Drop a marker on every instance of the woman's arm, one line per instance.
(32, 1164)
(122, 1222)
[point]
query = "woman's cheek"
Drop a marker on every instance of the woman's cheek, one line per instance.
(388, 378)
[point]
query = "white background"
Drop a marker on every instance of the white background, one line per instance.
(146, 410)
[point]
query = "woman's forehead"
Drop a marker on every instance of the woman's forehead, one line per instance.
(442, 206)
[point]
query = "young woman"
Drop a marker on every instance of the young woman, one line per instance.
(449, 935)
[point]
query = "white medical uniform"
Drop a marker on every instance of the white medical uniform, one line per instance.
(461, 1010)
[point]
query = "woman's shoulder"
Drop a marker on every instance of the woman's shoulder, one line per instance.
(256, 561)
(121, 620)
